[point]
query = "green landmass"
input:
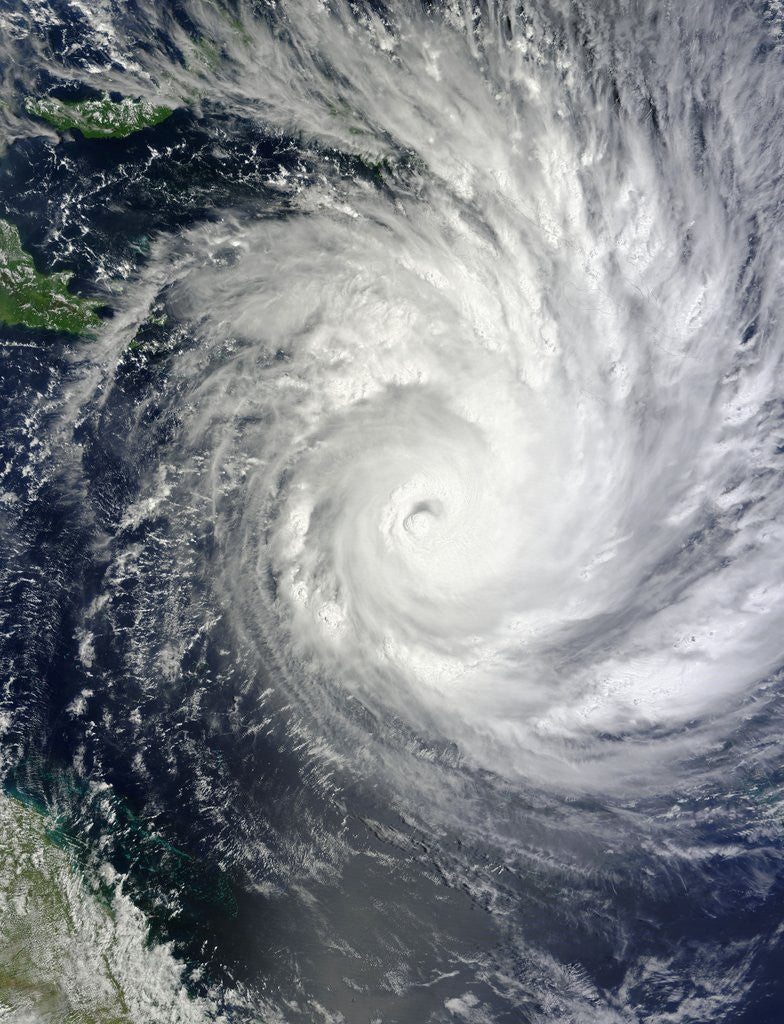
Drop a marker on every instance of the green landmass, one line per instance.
(39, 300)
(99, 119)
(49, 924)
(154, 339)
(208, 52)
(68, 955)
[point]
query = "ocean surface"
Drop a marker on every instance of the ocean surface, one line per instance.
(392, 588)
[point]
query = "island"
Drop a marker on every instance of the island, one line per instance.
(33, 299)
(99, 118)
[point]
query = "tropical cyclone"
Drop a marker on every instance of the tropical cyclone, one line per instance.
(491, 425)
(429, 503)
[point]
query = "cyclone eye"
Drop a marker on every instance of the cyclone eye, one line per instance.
(419, 520)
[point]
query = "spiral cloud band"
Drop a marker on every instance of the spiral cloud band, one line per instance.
(494, 429)
(426, 491)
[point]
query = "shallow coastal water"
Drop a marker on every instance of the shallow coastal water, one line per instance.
(392, 581)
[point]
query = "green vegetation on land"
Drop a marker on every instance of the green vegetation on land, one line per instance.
(74, 951)
(58, 943)
(39, 300)
(99, 119)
